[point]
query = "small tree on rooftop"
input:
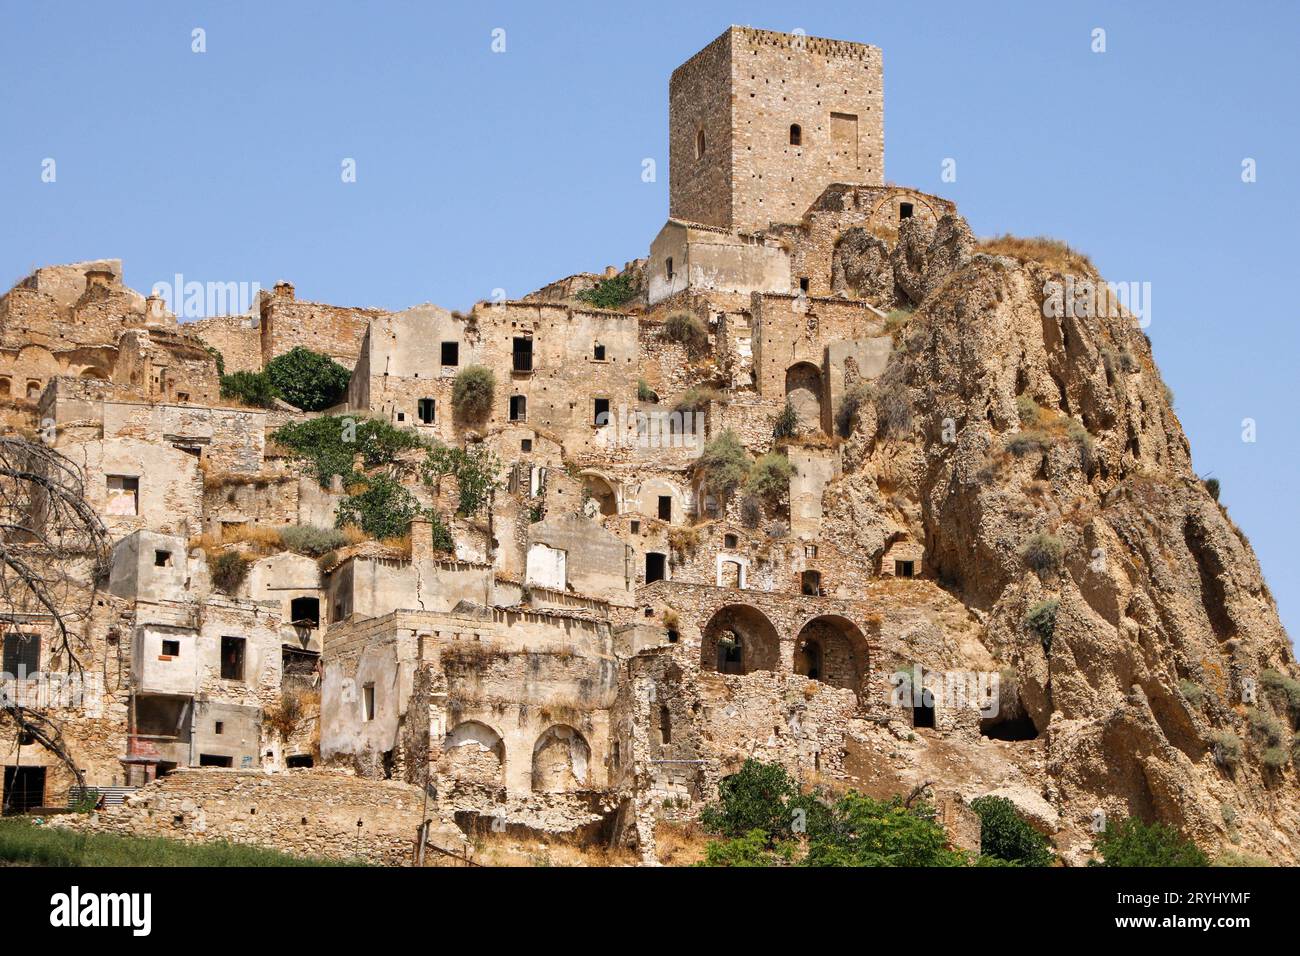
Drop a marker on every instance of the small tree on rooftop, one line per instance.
(382, 509)
(471, 393)
(308, 380)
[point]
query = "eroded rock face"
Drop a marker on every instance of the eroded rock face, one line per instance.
(1026, 423)
(861, 268)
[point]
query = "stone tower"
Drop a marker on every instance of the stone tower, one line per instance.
(760, 123)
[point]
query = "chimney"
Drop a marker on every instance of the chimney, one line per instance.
(421, 531)
(284, 290)
(155, 310)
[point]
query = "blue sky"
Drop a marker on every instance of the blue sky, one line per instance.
(479, 170)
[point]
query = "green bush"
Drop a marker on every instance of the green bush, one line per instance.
(1212, 486)
(1265, 727)
(249, 388)
(442, 540)
(384, 509)
(1043, 552)
(1130, 842)
(310, 540)
(755, 799)
(769, 477)
(787, 423)
(863, 831)
(1006, 835)
(1041, 619)
(611, 293)
(1192, 692)
(723, 464)
(330, 441)
(308, 380)
(685, 329)
(752, 849)
(1283, 690)
(228, 571)
(471, 393)
(1226, 748)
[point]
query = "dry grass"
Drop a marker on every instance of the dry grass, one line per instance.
(679, 844)
(507, 850)
(401, 545)
(1052, 253)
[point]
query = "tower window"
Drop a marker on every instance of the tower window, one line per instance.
(699, 144)
(523, 355)
(518, 408)
(904, 210)
(796, 135)
(600, 353)
(600, 411)
(450, 353)
(424, 408)
(668, 268)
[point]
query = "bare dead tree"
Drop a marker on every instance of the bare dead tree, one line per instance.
(53, 553)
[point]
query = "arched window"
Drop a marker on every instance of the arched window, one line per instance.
(796, 135)
(699, 144)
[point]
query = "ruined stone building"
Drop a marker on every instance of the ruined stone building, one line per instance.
(623, 625)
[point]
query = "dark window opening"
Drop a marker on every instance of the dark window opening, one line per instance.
(24, 789)
(600, 353)
(655, 565)
(162, 559)
(904, 210)
(731, 658)
(811, 583)
(525, 444)
(796, 135)
(923, 710)
(600, 411)
(665, 726)
(904, 569)
(1012, 729)
(523, 355)
(219, 727)
(424, 408)
(232, 658)
(213, 760)
(401, 416)
(803, 283)
(450, 353)
(368, 702)
(22, 654)
(518, 408)
(299, 760)
(171, 648)
(673, 636)
(668, 266)
(635, 526)
(811, 660)
(665, 507)
(305, 612)
(730, 540)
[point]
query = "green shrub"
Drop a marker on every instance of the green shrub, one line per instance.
(250, 388)
(1043, 552)
(755, 798)
(723, 464)
(686, 329)
(308, 380)
(1041, 619)
(471, 393)
(863, 831)
(1282, 689)
(228, 571)
(330, 441)
(1130, 842)
(1192, 692)
(1026, 442)
(1212, 486)
(310, 540)
(787, 423)
(611, 293)
(769, 477)
(1006, 835)
(1275, 758)
(384, 509)
(1226, 748)
(475, 469)
(442, 540)
(1027, 410)
(1265, 727)
(218, 358)
(752, 849)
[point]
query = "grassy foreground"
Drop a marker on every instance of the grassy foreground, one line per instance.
(21, 843)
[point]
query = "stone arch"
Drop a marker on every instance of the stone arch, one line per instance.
(832, 649)
(94, 372)
(600, 489)
(561, 760)
(803, 390)
(739, 639)
(474, 751)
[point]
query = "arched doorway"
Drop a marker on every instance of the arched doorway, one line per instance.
(833, 650)
(474, 751)
(739, 639)
(601, 490)
(561, 759)
(803, 390)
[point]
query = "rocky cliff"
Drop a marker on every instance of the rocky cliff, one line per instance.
(1022, 431)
